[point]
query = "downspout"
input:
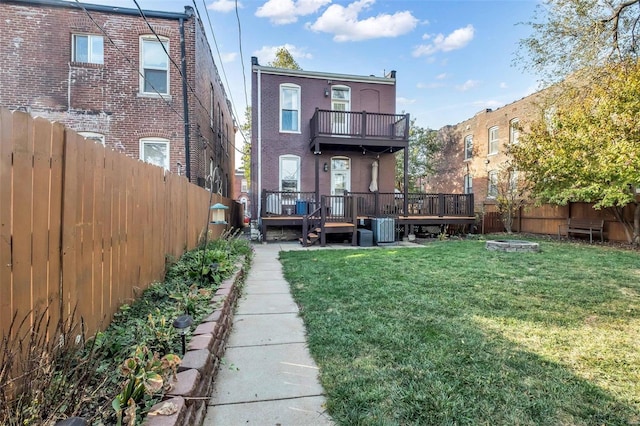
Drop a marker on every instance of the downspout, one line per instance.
(185, 103)
(259, 191)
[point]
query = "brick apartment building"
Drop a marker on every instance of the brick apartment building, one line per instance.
(474, 150)
(146, 87)
(241, 191)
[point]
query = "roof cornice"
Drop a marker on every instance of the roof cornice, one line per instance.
(106, 9)
(323, 75)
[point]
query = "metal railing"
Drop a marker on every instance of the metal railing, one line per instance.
(360, 124)
(340, 208)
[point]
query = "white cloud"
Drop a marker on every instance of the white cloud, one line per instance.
(441, 43)
(429, 85)
(504, 85)
(224, 5)
(467, 85)
(405, 101)
(282, 12)
(345, 25)
(441, 76)
(228, 57)
(268, 53)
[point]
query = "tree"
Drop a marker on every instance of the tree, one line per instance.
(510, 192)
(585, 145)
(423, 146)
(246, 149)
(589, 149)
(578, 35)
(284, 60)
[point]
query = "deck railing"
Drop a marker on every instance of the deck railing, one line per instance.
(372, 204)
(360, 124)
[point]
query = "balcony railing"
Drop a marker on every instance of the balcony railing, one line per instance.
(362, 125)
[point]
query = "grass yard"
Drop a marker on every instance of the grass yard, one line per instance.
(453, 334)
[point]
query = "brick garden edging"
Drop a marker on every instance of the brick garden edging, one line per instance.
(197, 371)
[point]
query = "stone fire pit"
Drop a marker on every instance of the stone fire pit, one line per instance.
(512, 245)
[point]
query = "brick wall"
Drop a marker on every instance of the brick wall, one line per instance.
(37, 75)
(365, 96)
(451, 165)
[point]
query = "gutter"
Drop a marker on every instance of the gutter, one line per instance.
(185, 103)
(259, 191)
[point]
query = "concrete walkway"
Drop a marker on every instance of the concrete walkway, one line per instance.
(267, 376)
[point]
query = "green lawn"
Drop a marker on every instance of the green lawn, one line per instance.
(454, 334)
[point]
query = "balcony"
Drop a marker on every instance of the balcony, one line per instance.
(352, 131)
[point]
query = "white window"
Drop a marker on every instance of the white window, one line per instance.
(468, 147)
(154, 65)
(243, 186)
(468, 184)
(93, 136)
(493, 140)
(514, 131)
(513, 181)
(289, 108)
(155, 151)
(289, 173)
(88, 49)
(492, 190)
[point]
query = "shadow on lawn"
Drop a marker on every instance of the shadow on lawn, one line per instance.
(425, 340)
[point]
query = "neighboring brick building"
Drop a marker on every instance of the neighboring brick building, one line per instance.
(474, 150)
(104, 73)
(241, 191)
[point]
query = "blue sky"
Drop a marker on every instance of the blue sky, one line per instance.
(452, 57)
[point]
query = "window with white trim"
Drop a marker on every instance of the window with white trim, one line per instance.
(493, 140)
(88, 49)
(468, 184)
(244, 187)
(93, 136)
(514, 131)
(492, 190)
(290, 108)
(289, 173)
(155, 151)
(468, 147)
(154, 65)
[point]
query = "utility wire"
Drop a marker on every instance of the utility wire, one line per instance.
(186, 80)
(222, 66)
(131, 63)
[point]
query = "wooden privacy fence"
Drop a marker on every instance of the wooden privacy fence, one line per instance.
(545, 219)
(84, 225)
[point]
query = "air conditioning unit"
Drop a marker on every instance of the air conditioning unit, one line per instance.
(384, 229)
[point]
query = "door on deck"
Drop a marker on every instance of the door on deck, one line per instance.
(340, 105)
(340, 183)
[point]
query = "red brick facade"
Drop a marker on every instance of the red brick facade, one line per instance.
(371, 94)
(451, 164)
(37, 75)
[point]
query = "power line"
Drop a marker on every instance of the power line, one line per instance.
(131, 63)
(222, 66)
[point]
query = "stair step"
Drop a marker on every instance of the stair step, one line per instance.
(309, 242)
(313, 236)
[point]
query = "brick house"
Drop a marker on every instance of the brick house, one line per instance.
(323, 152)
(146, 87)
(474, 150)
(241, 191)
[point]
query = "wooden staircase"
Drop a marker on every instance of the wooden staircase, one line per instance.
(317, 224)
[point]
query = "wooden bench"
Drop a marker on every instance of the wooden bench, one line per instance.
(583, 226)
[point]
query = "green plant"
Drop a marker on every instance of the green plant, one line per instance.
(145, 373)
(44, 369)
